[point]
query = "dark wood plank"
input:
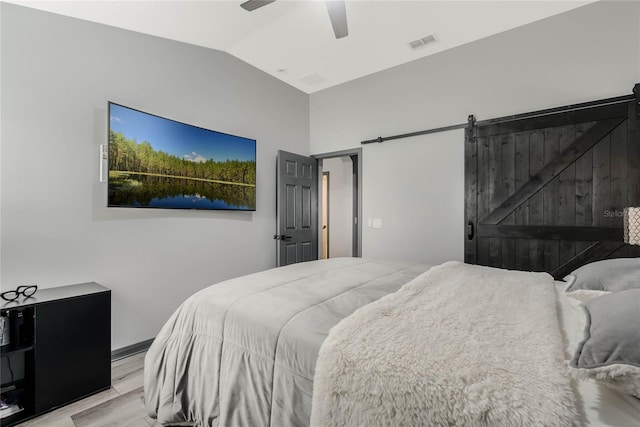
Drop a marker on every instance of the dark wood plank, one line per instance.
(496, 194)
(483, 196)
(555, 185)
(471, 190)
(633, 162)
(636, 101)
(550, 232)
(602, 183)
(566, 195)
(619, 172)
(552, 169)
(595, 252)
(605, 112)
(622, 252)
(633, 251)
(584, 187)
(550, 196)
(522, 175)
(536, 163)
(633, 157)
(508, 177)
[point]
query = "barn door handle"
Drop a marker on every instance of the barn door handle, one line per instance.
(471, 230)
(282, 237)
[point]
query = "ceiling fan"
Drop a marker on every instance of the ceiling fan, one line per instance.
(336, 8)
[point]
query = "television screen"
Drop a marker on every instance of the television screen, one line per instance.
(160, 163)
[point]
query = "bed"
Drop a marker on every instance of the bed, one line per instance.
(291, 346)
(494, 341)
(243, 352)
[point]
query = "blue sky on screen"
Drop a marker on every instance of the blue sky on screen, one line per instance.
(179, 139)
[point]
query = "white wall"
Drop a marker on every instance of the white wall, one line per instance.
(416, 185)
(57, 75)
(340, 205)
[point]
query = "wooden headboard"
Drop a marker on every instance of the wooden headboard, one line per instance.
(545, 191)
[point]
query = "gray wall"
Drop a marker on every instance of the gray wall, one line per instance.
(416, 185)
(57, 75)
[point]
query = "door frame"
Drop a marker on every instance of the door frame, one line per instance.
(356, 156)
(324, 196)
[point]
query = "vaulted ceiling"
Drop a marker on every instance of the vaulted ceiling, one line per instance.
(293, 39)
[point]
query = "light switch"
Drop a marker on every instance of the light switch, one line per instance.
(377, 222)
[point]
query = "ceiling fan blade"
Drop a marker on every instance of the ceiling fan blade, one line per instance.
(254, 4)
(338, 16)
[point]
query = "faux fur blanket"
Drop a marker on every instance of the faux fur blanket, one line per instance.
(460, 345)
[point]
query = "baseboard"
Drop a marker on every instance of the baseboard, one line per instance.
(130, 350)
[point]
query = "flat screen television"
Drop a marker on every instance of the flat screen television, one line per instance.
(156, 162)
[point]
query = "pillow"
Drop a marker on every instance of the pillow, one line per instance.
(571, 319)
(607, 275)
(584, 295)
(610, 351)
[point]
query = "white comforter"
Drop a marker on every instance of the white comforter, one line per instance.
(460, 345)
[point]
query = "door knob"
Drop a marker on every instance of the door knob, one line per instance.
(282, 237)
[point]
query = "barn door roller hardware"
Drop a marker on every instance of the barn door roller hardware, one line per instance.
(636, 92)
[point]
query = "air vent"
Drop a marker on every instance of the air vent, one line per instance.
(313, 79)
(415, 44)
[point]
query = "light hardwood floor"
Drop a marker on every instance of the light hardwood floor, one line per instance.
(120, 406)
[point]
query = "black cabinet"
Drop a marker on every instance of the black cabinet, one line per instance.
(59, 350)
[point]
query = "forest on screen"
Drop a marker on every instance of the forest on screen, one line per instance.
(127, 155)
(142, 176)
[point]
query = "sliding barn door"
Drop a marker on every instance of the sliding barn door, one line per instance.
(546, 192)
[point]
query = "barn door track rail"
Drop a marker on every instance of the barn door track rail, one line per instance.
(510, 119)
